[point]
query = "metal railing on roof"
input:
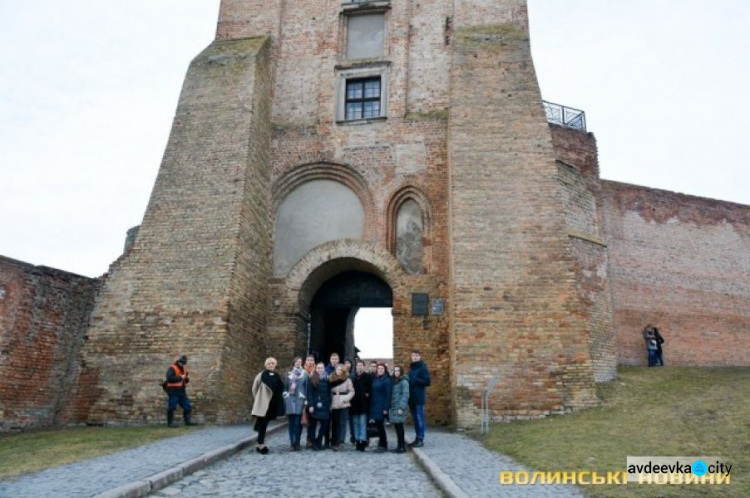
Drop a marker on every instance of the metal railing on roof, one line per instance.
(565, 116)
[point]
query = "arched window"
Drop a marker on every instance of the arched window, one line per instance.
(409, 235)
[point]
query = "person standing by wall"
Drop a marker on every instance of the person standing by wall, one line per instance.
(419, 381)
(651, 346)
(268, 402)
(342, 392)
(318, 405)
(295, 401)
(380, 403)
(659, 353)
(399, 406)
(175, 386)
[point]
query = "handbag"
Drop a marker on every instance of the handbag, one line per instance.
(372, 430)
(304, 420)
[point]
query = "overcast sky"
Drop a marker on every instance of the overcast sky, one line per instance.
(88, 90)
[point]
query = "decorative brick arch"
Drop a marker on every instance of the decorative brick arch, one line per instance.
(325, 170)
(398, 198)
(332, 258)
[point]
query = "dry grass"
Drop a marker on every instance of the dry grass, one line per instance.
(674, 411)
(38, 450)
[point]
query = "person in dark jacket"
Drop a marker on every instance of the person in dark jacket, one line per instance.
(380, 404)
(651, 344)
(360, 405)
(419, 380)
(659, 341)
(177, 379)
(332, 365)
(399, 406)
(318, 405)
(333, 425)
(268, 401)
(309, 369)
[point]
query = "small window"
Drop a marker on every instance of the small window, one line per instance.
(362, 92)
(363, 98)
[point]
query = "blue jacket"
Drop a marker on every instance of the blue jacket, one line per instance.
(380, 396)
(319, 398)
(419, 380)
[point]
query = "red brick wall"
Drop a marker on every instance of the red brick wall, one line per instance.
(578, 170)
(43, 317)
(681, 263)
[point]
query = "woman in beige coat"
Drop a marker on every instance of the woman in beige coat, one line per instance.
(342, 392)
(268, 402)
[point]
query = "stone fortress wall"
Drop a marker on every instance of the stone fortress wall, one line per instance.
(460, 190)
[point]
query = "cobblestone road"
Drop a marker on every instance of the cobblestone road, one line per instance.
(323, 474)
(476, 470)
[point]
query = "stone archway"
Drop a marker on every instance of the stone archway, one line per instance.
(293, 297)
(335, 278)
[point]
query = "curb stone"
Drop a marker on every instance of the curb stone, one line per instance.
(443, 480)
(143, 487)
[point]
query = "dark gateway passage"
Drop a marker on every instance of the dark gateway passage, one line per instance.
(334, 307)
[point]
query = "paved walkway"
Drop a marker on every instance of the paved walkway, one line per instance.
(476, 471)
(206, 463)
(91, 477)
(322, 474)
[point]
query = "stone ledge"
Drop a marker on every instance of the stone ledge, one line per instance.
(441, 479)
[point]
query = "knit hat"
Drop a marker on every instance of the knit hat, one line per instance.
(183, 359)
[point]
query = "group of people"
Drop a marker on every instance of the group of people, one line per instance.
(654, 340)
(333, 399)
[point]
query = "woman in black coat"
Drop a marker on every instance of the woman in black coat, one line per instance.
(380, 403)
(268, 403)
(318, 405)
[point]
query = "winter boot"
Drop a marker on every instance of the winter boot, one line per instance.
(186, 418)
(170, 419)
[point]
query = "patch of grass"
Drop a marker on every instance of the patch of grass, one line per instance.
(673, 411)
(38, 450)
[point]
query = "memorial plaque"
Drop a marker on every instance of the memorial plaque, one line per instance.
(420, 304)
(438, 305)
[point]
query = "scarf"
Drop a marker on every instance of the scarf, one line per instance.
(294, 377)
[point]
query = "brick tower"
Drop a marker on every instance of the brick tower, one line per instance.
(327, 156)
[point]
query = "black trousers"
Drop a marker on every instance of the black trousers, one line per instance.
(382, 437)
(400, 435)
(261, 424)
